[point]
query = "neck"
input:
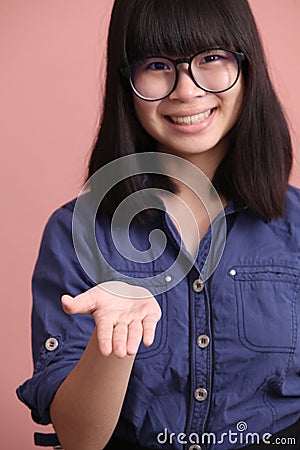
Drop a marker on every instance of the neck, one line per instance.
(190, 207)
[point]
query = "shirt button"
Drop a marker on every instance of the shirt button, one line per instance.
(51, 344)
(168, 278)
(203, 341)
(198, 285)
(200, 394)
(195, 447)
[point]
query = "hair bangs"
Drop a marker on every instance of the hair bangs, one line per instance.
(176, 28)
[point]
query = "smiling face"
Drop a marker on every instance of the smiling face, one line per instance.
(190, 122)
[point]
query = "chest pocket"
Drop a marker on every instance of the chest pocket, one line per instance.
(266, 307)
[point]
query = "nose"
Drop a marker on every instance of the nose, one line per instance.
(186, 89)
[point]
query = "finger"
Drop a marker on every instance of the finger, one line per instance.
(149, 326)
(81, 304)
(104, 336)
(119, 339)
(135, 333)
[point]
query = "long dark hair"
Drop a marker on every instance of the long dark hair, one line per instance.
(256, 168)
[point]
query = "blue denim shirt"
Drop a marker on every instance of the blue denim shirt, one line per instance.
(226, 355)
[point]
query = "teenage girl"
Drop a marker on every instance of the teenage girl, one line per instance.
(192, 359)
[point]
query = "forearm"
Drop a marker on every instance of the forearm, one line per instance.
(87, 405)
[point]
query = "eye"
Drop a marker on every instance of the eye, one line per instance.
(210, 58)
(157, 66)
(218, 56)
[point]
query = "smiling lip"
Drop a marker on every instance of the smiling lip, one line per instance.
(191, 119)
(191, 123)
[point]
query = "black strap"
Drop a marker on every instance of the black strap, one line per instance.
(46, 439)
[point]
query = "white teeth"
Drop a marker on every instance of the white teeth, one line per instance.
(188, 120)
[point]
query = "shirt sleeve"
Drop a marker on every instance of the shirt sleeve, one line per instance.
(58, 339)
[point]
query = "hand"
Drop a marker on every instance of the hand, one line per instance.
(123, 315)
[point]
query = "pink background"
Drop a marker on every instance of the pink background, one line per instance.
(52, 55)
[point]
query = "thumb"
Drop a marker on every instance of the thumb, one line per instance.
(81, 304)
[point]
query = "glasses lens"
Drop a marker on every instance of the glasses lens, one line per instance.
(215, 70)
(153, 78)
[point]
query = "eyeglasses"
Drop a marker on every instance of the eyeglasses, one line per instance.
(213, 70)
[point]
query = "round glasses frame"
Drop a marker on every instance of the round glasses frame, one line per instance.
(127, 72)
